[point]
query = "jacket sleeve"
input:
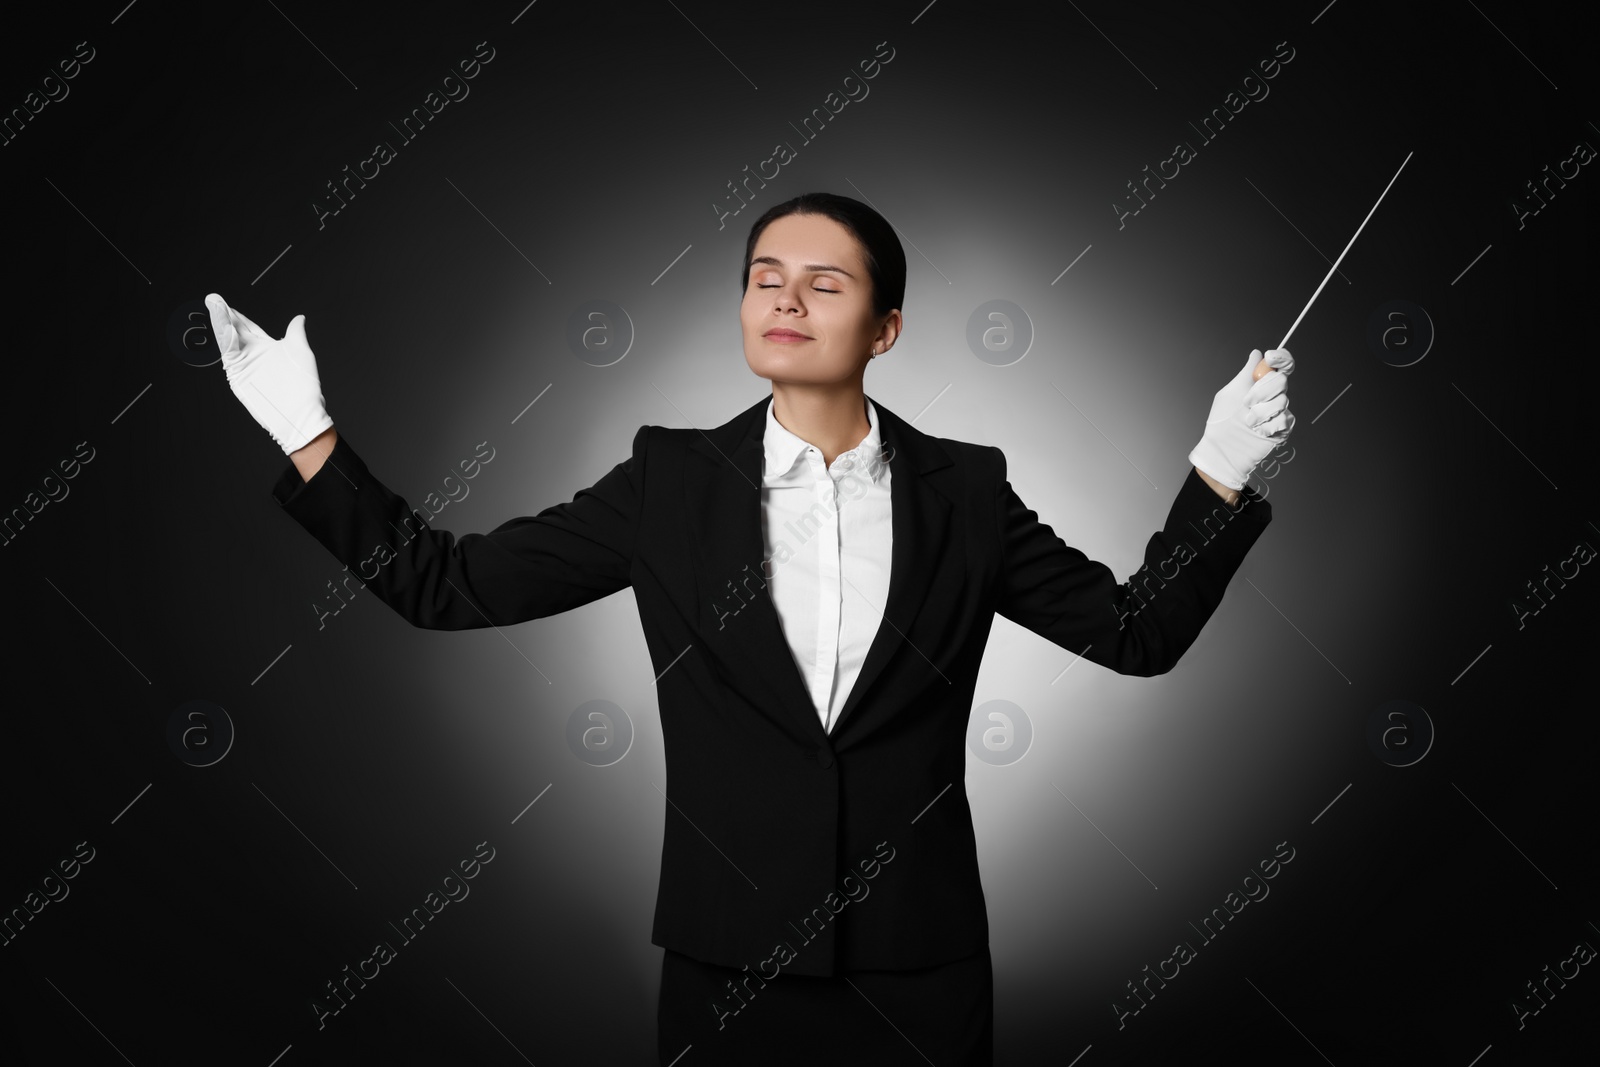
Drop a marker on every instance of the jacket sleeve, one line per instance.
(1141, 626)
(528, 568)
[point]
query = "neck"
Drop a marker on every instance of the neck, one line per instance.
(833, 418)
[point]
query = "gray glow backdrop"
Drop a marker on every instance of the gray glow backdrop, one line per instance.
(1436, 872)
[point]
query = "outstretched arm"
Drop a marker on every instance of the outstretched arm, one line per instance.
(528, 568)
(1144, 625)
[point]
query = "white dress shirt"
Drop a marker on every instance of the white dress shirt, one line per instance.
(827, 537)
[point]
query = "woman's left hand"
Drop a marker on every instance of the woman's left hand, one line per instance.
(1249, 418)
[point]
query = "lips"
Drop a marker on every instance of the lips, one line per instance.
(785, 335)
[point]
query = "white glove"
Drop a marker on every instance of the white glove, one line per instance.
(1248, 420)
(275, 380)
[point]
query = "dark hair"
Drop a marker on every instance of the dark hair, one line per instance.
(886, 260)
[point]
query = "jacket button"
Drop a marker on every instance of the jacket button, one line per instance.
(824, 758)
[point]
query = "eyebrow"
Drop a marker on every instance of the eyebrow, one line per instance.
(809, 266)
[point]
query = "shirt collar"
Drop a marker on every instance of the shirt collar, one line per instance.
(784, 452)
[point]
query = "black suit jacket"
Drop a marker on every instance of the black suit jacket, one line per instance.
(787, 845)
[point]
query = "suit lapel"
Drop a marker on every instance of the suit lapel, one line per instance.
(722, 487)
(921, 520)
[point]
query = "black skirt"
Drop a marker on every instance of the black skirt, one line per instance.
(940, 1015)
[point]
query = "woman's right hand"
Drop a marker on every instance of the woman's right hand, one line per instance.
(275, 380)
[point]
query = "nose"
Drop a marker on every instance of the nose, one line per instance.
(787, 298)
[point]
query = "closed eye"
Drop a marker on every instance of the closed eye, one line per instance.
(760, 286)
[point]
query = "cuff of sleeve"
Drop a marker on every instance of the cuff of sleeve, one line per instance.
(1196, 498)
(341, 475)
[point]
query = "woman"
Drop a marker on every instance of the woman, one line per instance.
(816, 580)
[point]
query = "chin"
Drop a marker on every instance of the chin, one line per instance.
(769, 361)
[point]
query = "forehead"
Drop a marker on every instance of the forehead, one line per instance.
(809, 239)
